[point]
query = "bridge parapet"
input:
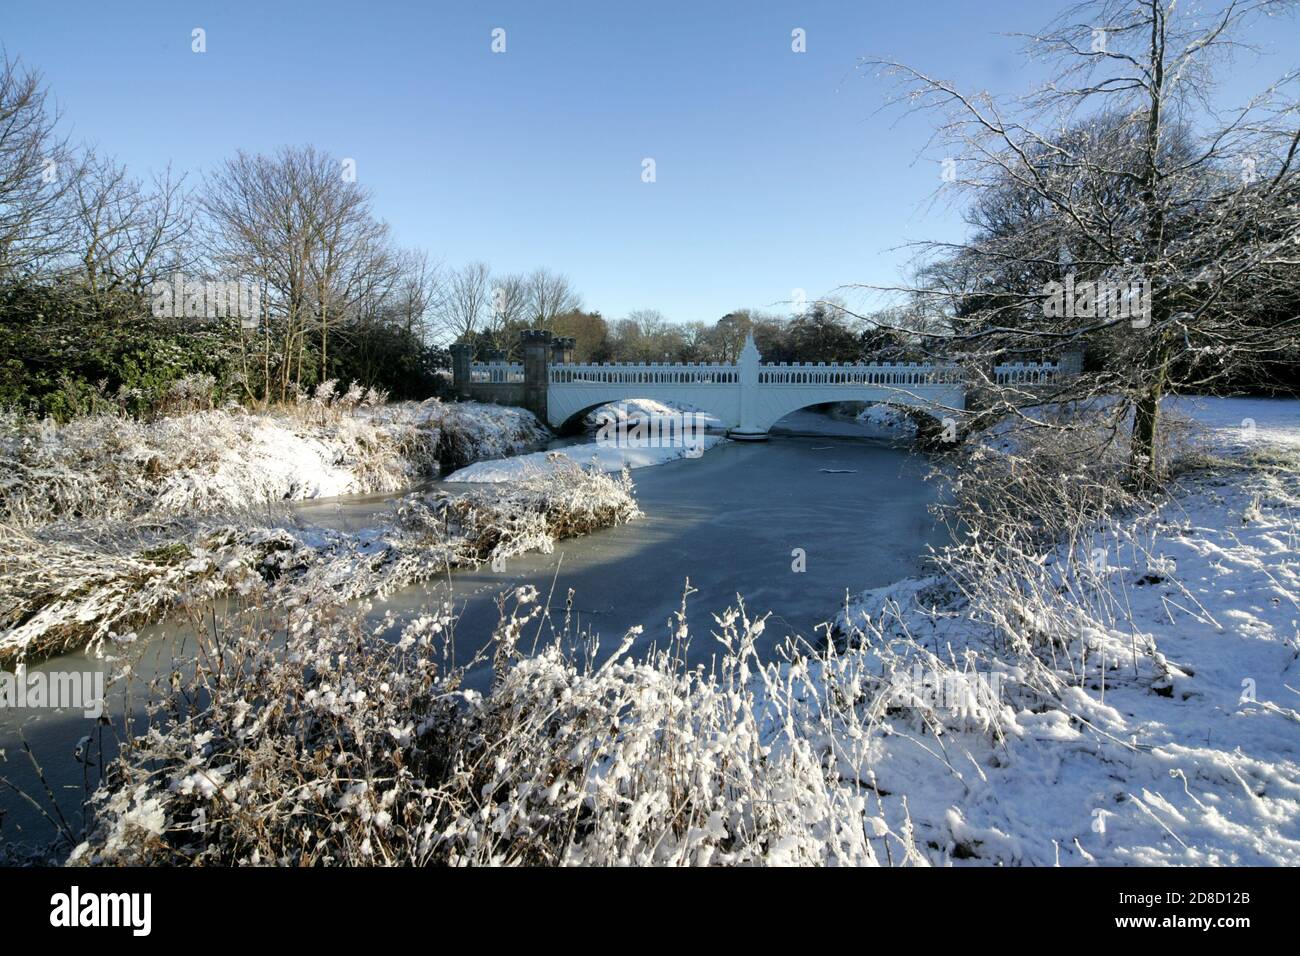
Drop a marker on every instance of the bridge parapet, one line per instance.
(496, 373)
(900, 374)
(1029, 373)
(627, 373)
(797, 373)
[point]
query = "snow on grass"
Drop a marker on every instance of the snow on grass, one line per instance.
(108, 467)
(1217, 425)
(599, 455)
(1149, 704)
(1238, 423)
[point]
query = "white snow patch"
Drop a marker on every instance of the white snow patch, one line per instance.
(887, 421)
(648, 410)
(604, 457)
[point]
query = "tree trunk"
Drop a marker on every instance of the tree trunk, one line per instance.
(1143, 463)
(1146, 413)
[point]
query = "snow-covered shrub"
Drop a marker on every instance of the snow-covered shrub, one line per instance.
(492, 523)
(114, 467)
(1029, 500)
(472, 431)
(338, 748)
(61, 593)
(325, 404)
(190, 393)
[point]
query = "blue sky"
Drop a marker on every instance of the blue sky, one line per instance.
(775, 170)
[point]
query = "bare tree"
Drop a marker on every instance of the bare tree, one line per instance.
(122, 236)
(418, 297)
(295, 225)
(467, 306)
(36, 171)
(642, 336)
(347, 252)
(1118, 174)
(550, 294)
(511, 303)
(257, 232)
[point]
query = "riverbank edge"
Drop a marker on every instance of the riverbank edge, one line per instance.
(1200, 623)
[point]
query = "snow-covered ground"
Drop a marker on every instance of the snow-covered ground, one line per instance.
(887, 421)
(1234, 424)
(111, 467)
(646, 409)
(1168, 733)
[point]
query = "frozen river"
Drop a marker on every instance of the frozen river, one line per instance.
(743, 519)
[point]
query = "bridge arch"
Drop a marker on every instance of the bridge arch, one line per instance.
(565, 405)
(572, 423)
(770, 409)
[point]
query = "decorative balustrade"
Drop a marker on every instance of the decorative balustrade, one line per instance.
(496, 373)
(1026, 373)
(901, 374)
(625, 373)
(622, 373)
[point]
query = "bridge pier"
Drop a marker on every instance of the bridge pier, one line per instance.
(747, 374)
(462, 359)
(537, 355)
(562, 349)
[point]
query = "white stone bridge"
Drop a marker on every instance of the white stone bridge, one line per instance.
(748, 397)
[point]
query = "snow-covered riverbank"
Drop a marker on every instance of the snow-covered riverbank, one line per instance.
(1139, 710)
(110, 467)
(1165, 731)
(61, 593)
(108, 522)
